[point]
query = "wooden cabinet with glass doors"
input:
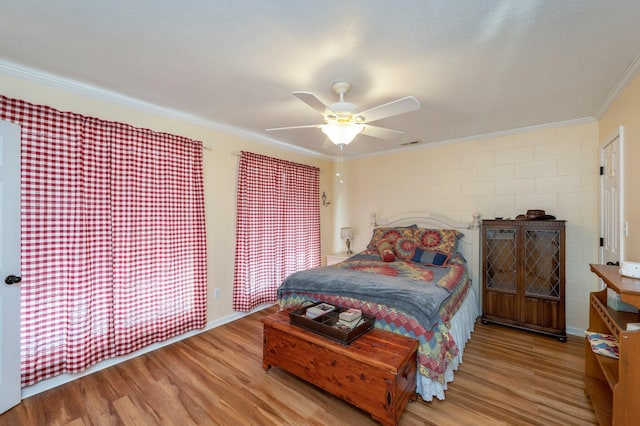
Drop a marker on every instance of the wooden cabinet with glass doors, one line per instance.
(524, 275)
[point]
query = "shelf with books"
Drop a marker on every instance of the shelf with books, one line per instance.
(611, 382)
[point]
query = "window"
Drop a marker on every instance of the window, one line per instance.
(277, 226)
(112, 238)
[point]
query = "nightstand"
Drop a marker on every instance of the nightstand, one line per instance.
(334, 258)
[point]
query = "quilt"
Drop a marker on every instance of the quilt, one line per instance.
(410, 315)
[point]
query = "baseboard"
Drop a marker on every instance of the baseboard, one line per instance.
(575, 331)
(53, 382)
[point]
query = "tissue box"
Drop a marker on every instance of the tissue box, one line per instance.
(614, 302)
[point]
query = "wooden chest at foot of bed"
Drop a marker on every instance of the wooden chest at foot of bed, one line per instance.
(376, 373)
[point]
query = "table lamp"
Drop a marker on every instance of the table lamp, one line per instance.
(347, 235)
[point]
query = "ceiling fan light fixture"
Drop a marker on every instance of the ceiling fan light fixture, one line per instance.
(342, 133)
(342, 120)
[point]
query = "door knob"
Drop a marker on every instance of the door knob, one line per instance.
(12, 279)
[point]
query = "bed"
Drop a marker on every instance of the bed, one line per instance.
(430, 291)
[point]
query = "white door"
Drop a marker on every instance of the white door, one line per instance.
(611, 201)
(9, 265)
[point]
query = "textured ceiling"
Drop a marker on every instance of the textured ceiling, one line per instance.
(477, 67)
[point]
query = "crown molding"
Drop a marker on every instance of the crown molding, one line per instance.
(93, 92)
(528, 129)
(628, 75)
(90, 91)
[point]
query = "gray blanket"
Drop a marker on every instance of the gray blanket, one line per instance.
(420, 299)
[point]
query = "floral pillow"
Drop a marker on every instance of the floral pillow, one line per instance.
(438, 240)
(385, 248)
(405, 247)
(391, 234)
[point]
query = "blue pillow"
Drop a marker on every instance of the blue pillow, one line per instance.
(432, 258)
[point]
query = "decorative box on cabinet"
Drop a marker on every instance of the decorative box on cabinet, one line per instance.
(523, 271)
(613, 385)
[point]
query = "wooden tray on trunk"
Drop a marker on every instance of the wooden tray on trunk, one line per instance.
(327, 324)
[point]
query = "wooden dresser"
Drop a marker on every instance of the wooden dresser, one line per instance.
(376, 372)
(613, 385)
(523, 270)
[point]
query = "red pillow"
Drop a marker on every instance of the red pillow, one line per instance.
(385, 248)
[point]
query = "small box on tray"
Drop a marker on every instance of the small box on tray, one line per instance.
(350, 315)
(350, 318)
(320, 309)
(350, 324)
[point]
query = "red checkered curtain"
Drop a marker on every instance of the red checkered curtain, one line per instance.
(113, 238)
(277, 226)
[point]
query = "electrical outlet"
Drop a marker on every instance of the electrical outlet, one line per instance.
(216, 293)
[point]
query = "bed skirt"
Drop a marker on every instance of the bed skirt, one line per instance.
(462, 325)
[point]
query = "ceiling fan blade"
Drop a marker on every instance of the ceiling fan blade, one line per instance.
(397, 107)
(315, 103)
(380, 132)
(306, 126)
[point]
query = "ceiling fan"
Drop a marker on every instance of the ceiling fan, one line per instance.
(342, 121)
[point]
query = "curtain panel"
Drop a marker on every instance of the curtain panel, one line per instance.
(277, 226)
(112, 238)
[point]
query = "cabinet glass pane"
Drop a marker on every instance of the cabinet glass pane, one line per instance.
(501, 259)
(542, 263)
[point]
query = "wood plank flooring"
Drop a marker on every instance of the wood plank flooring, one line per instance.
(508, 377)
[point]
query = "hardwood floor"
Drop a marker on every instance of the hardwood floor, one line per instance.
(508, 377)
